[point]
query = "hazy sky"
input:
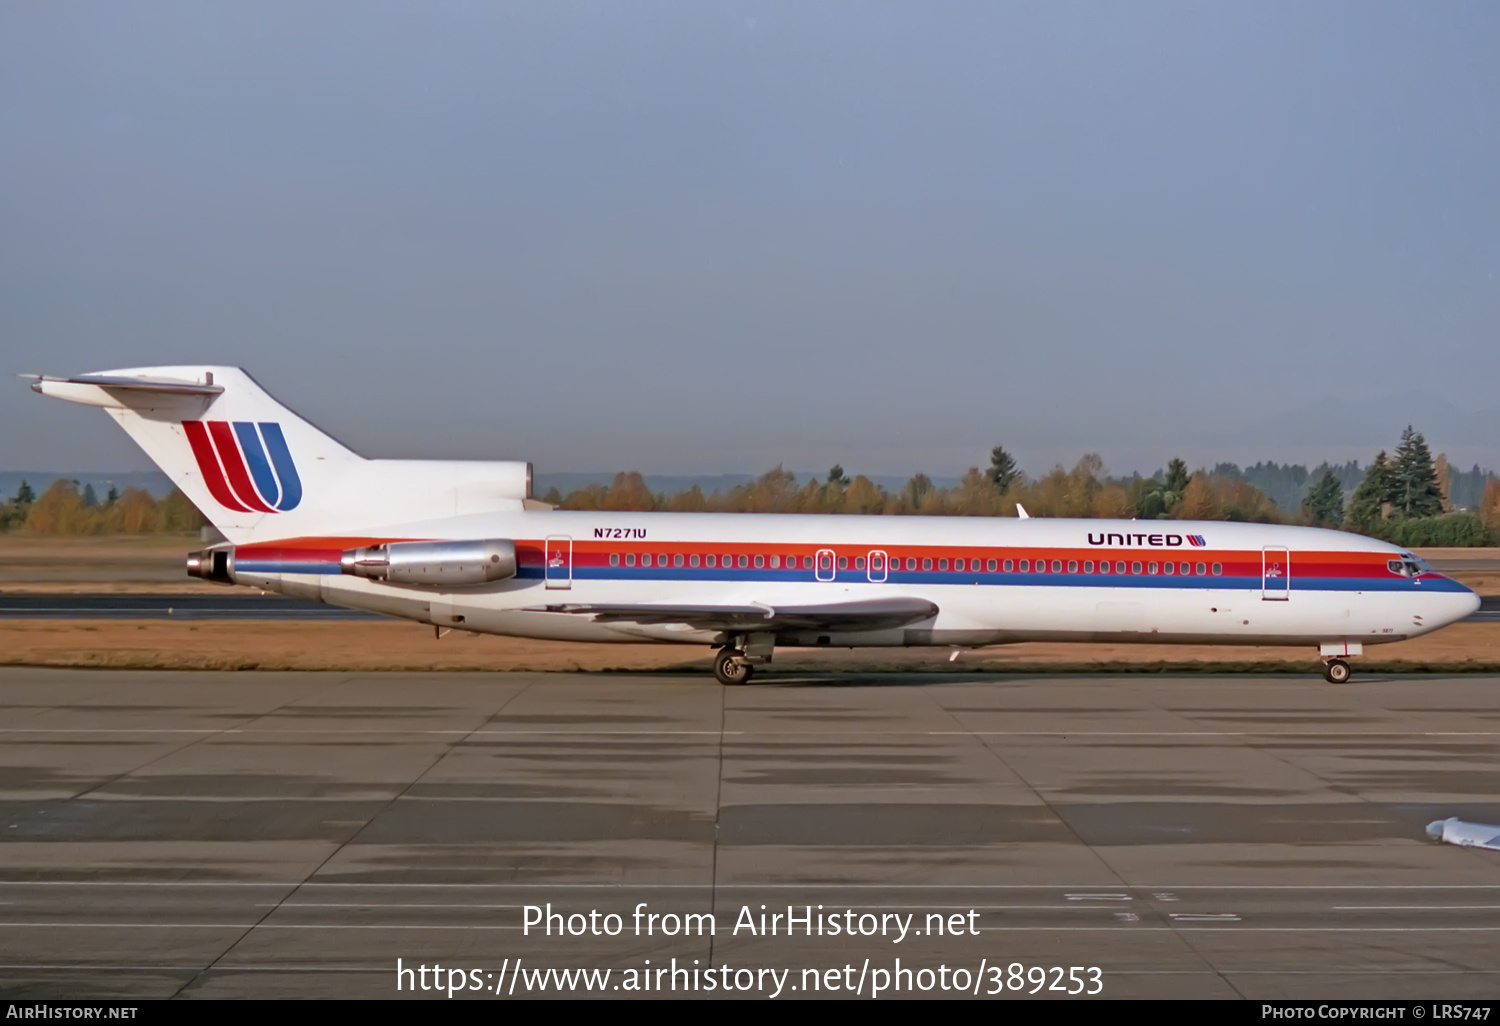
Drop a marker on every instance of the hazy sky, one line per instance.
(696, 236)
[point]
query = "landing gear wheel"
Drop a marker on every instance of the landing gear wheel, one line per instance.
(1336, 671)
(729, 667)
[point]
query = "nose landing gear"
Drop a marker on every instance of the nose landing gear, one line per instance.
(1335, 656)
(1336, 671)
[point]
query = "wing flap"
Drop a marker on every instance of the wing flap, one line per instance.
(865, 615)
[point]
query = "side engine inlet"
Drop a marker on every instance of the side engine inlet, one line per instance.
(435, 564)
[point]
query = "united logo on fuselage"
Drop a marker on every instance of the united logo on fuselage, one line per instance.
(1171, 541)
(245, 464)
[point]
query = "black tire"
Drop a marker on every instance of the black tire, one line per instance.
(729, 670)
(1336, 671)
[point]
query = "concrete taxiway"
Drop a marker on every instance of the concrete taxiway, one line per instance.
(217, 835)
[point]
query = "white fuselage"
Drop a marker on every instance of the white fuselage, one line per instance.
(1229, 583)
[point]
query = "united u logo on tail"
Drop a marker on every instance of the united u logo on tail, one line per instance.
(245, 464)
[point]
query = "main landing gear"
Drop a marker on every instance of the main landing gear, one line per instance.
(1336, 671)
(737, 659)
(730, 667)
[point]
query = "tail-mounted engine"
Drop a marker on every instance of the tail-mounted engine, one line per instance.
(215, 565)
(436, 564)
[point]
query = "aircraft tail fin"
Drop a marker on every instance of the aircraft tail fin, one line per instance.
(258, 471)
(215, 432)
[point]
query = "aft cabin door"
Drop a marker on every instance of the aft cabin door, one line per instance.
(558, 561)
(1275, 574)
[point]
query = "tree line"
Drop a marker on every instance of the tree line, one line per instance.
(1406, 498)
(1403, 498)
(64, 508)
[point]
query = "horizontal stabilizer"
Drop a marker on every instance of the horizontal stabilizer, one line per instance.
(57, 387)
(867, 615)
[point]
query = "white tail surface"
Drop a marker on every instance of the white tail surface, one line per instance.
(259, 472)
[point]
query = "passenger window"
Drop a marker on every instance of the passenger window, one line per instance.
(1072, 566)
(645, 559)
(677, 559)
(1119, 566)
(1135, 567)
(1009, 566)
(775, 562)
(614, 559)
(1218, 569)
(1057, 566)
(693, 560)
(859, 562)
(942, 564)
(710, 560)
(1088, 566)
(843, 562)
(1150, 568)
(958, 564)
(630, 559)
(1041, 566)
(1024, 566)
(744, 562)
(1202, 569)
(927, 564)
(760, 562)
(1169, 569)
(1104, 566)
(1185, 569)
(990, 566)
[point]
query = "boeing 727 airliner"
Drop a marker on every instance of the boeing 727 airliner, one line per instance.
(462, 545)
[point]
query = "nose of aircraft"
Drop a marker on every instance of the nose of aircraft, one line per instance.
(1456, 605)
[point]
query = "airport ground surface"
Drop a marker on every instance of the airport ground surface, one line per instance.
(294, 834)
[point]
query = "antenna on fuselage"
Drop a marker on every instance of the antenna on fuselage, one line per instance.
(1021, 512)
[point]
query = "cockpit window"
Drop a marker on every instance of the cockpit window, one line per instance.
(1413, 568)
(1395, 566)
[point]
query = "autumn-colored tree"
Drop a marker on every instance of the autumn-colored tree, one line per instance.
(1444, 480)
(690, 501)
(1489, 508)
(589, 497)
(135, 512)
(1198, 501)
(628, 493)
(59, 510)
(864, 497)
(177, 514)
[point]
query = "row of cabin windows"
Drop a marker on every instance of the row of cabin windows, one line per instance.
(1026, 566)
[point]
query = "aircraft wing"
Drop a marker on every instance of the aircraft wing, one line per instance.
(865, 615)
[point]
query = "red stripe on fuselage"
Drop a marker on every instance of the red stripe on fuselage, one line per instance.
(234, 466)
(208, 465)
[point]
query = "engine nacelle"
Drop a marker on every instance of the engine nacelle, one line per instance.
(435, 564)
(215, 565)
